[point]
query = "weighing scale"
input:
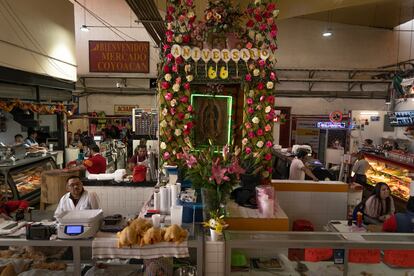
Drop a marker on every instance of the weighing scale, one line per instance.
(80, 224)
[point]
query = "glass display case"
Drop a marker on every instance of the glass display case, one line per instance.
(318, 253)
(22, 179)
(391, 171)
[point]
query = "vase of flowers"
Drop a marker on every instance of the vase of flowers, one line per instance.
(215, 172)
(216, 224)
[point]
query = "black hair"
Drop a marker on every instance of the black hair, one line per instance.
(72, 177)
(94, 147)
(410, 204)
(369, 141)
(18, 135)
(31, 131)
(377, 193)
(301, 153)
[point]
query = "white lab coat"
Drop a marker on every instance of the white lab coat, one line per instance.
(88, 200)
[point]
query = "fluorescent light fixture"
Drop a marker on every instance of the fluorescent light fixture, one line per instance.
(390, 102)
(369, 113)
(84, 28)
(327, 33)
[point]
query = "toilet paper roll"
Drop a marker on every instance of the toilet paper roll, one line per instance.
(157, 200)
(164, 207)
(173, 195)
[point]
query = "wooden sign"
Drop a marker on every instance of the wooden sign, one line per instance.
(124, 109)
(365, 256)
(119, 56)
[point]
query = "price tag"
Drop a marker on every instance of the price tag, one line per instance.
(318, 254)
(401, 258)
(365, 256)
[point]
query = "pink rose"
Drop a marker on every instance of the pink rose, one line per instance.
(269, 117)
(189, 125)
(166, 69)
(178, 80)
(175, 68)
(273, 76)
(273, 47)
(269, 144)
(190, 108)
(249, 10)
(189, 3)
(172, 111)
(166, 155)
(268, 128)
(259, 107)
(251, 134)
(184, 99)
(181, 18)
(248, 125)
(273, 34)
(166, 47)
(258, 18)
(170, 9)
(248, 77)
(249, 101)
(260, 86)
(165, 85)
(250, 110)
(180, 116)
(186, 39)
(262, 98)
(248, 150)
(269, 21)
(263, 27)
(186, 86)
(179, 60)
(259, 132)
(169, 33)
(270, 169)
(250, 24)
(268, 157)
(168, 96)
(262, 63)
(271, 7)
(249, 45)
(169, 57)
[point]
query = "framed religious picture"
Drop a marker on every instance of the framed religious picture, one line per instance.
(212, 116)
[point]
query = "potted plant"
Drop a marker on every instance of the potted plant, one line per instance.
(216, 224)
(215, 172)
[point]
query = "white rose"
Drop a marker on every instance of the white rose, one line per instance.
(163, 124)
(256, 72)
(259, 37)
(252, 34)
(190, 14)
(163, 145)
(259, 144)
(177, 132)
(172, 124)
(244, 141)
(275, 13)
(179, 38)
(176, 87)
(183, 29)
(255, 120)
(269, 84)
(167, 77)
(268, 109)
(165, 112)
(189, 78)
(251, 93)
(265, 174)
(174, 152)
(173, 102)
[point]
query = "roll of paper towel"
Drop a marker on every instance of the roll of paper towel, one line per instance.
(169, 196)
(157, 200)
(164, 202)
(178, 186)
(173, 189)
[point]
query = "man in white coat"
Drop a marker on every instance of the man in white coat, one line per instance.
(77, 198)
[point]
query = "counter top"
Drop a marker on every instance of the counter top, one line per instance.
(25, 161)
(94, 182)
(310, 186)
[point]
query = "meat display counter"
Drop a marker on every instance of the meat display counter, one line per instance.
(393, 172)
(22, 179)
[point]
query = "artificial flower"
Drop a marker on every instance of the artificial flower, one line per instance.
(189, 3)
(262, 98)
(180, 116)
(166, 69)
(248, 77)
(271, 99)
(235, 168)
(255, 120)
(268, 109)
(259, 107)
(173, 102)
(167, 77)
(256, 72)
(187, 116)
(217, 173)
(163, 145)
(248, 125)
(179, 38)
(179, 60)
(268, 128)
(175, 68)
(251, 93)
(260, 86)
(252, 34)
(269, 21)
(187, 68)
(189, 78)
(176, 87)
(268, 157)
(172, 124)
(249, 101)
(248, 150)
(187, 86)
(272, 76)
(190, 108)
(189, 125)
(265, 174)
(165, 85)
(177, 132)
(166, 155)
(186, 39)
(190, 160)
(163, 123)
(259, 144)
(250, 110)
(250, 23)
(164, 112)
(178, 80)
(249, 45)
(184, 99)
(251, 134)
(262, 63)
(259, 37)
(275, 13)
(269, 144)
(259, 132)
(244, 141)
(172, 111)
(190, 14)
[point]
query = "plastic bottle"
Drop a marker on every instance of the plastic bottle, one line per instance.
(359, 219)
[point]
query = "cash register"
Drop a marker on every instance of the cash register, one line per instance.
(79, 224)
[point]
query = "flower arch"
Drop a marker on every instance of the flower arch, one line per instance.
(258, 80)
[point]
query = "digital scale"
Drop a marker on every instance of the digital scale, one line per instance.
(80, 224)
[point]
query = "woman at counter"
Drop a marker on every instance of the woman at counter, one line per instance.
(380, 205)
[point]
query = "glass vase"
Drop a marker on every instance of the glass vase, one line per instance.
(211, 202)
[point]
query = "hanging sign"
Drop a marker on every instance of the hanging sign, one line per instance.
(121, 109)
(119, 56)
(335, 116)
